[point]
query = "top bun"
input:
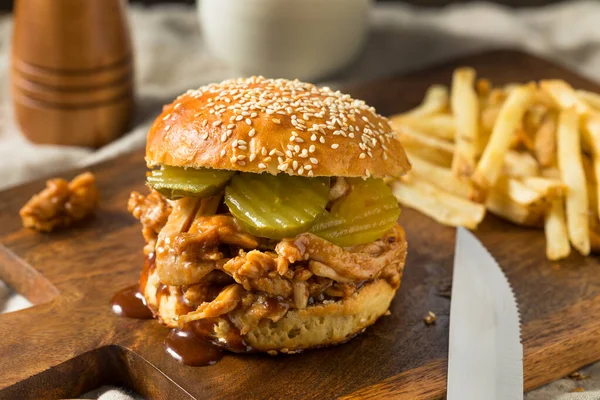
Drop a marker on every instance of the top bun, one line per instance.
(265, 125)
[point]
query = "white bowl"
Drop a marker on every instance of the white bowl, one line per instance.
(304, 39)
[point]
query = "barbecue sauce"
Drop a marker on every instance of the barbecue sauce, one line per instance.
(130, 303)
(191, 346)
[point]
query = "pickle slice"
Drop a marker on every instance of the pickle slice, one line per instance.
(362, 216)
(276, 207)
(177, 182)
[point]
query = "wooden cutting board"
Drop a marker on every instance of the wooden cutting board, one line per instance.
(70, 341)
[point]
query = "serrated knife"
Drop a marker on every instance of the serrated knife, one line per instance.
(485, 359)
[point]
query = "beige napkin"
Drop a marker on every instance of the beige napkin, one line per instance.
(171, 58)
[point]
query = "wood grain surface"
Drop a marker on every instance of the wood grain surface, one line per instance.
(70, 342)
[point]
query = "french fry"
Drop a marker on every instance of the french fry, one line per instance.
(465, 108)
(437, 175)
(555, 229)
(489, 115)
(442, 206)
(544, 146)
(564, 95)
(591, 134)
(438, 125)
(490, 165)
(435, 101)
(550, 173)
(573, 176)
(514, 201)
(547, 187)
(519, 164)
(595, 241)
(500, 204)
(590, 98)
(483, 87)
(429, 148)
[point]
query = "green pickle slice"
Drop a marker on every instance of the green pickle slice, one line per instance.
(362, 216)
(276, 207)
(177, 182)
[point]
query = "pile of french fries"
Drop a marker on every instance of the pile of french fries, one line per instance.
(529, 153)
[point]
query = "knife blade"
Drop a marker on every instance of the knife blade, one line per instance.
(485, 356)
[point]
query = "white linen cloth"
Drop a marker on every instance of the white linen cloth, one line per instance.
(170, 58)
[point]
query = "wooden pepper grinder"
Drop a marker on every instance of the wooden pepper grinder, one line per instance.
(72, 71)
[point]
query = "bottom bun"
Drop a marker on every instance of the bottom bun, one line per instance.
(319, 325)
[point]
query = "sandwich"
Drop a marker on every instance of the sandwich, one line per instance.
(268, 225)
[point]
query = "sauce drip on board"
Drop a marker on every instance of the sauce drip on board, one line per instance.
(130, 303)
(191, 346)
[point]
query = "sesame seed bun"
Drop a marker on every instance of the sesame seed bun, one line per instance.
(264, 125)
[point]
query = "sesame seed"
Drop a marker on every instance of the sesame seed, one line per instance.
(335, 146)
(177, 106)
(312, 148)
(310, 173)
(252, 157)
(300, 170)
(242, 163)
(167, 128)
(289, 154)
(267, 159)
(308, 167)
(299, 140)
(223, 152)
(252, 133)
(239, 118)
(166, 117)
(248, 121)
(272, 152)
(276, 120)
(262, 166)
(205, 136)
(362, 155)
(367, 173)
(217, 123)
(223, 137)
(297, 148)
(314, 160)
(263, 151)
(241, 157)
(205, 122)
(230, 126)
(242, 147)
(229, 132)
(322, 139)
(313, 137)
(234, 144)
(295, 165)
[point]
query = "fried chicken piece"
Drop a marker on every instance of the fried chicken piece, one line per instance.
(61, 203)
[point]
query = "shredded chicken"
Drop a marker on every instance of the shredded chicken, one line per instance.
(225, 270)
(339, 189)
(152, 211)
(357, 263)
(61, 203)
